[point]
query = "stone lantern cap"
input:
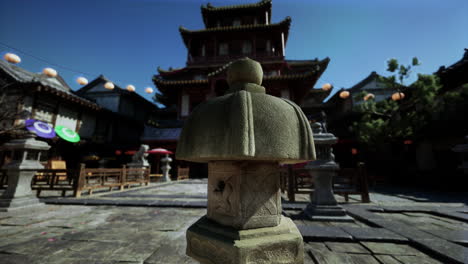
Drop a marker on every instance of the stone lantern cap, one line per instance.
(321, 138)
(246, 124)
(26, 143)
(26, 153)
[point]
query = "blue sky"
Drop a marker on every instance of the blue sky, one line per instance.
(126, 40)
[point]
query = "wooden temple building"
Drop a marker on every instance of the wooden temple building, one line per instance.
(233, 32)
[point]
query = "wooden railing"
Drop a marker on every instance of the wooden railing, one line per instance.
(84, 179)
(91, 179)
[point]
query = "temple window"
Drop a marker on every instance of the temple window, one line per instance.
(268, 46)
(246, 47)
(236, 22)
(223, 49)
(255, 22)
(218, 23)
(203, 51)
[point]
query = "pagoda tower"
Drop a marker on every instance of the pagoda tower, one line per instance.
(233, 32)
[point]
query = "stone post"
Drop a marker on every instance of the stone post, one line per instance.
(244, 136)
(166, 167)
(26, 153)
(323, 205)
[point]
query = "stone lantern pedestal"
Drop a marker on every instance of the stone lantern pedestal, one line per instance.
(244, 136)
(25, 154)
(323, 205)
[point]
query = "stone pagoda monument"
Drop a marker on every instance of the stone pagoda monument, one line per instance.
(244, 136)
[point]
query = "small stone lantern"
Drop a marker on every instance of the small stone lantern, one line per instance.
(25, 153)
(244, 136)
(166, 167)
(323, 205)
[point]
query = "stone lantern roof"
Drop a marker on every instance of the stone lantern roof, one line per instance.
(246, 124)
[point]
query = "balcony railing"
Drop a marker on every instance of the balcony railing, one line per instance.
(227, 58)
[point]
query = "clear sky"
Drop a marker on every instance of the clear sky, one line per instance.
(126, 40)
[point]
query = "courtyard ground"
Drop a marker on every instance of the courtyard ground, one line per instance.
(148, 224)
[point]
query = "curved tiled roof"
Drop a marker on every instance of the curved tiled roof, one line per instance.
(286, 23)
(209, 8)
(316, 69)
(162, 71)
(54, 85)
(317, 66)
(157, 81)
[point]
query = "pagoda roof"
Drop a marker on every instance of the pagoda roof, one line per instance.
(285, 23)
(318, 67)
(209, 9)
(159, 81)
(171, 70)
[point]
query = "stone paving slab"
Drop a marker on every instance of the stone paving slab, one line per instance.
(148, 224)
(310, 232)
(373, 234)
(451, 251)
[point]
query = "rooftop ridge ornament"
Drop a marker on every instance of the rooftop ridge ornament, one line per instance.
(244, 136)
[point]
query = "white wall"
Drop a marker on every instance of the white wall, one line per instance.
(66, 117)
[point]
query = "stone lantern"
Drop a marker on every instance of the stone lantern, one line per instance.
(166, 167)
(244, 136)
(25, 153)
(323, 205)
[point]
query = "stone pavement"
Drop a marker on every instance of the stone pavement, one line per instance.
(147, 225)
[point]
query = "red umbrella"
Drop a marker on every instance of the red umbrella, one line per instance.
(159, 151)
(130, 152)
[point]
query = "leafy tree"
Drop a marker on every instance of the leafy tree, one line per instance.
(388, 120)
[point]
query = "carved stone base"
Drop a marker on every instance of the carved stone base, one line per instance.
(244, 195)
(211, 243)
(11, 204)
(327, 213)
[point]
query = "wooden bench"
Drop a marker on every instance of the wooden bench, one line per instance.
(352, 181)
(296, 181)
(156, 176)
(183, 173)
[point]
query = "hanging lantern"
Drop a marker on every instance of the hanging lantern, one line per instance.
(149, 90)
(369, 97)
(49, 72)
(398, 96)
(354, 151)
(327, 87)
(130, 88)
(109, 85)
(344, 94)
(12, 58)
(82, 80)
